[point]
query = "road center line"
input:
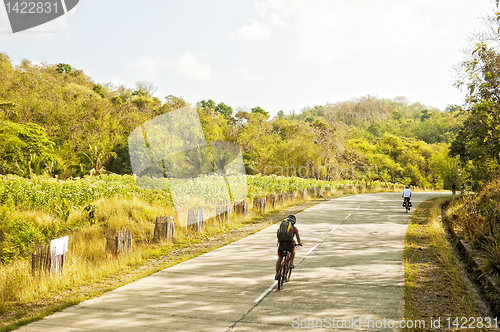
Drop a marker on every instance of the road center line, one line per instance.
(310, 251)
(265, 293)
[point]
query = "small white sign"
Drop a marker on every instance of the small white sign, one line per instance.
(60, 245)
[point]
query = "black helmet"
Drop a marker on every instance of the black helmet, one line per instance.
(407, 187)
(292, 219)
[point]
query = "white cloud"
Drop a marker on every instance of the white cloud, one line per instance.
(276, 12)
(324, 31)
(247, 74)
(194, 66)
(188, 64)
(150, 65)
(254, 30)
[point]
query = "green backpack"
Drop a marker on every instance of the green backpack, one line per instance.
(285, 231)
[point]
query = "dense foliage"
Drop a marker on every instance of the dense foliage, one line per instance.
(55, 120)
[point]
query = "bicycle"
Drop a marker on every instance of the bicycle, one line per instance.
(285, 269)
(407, 204)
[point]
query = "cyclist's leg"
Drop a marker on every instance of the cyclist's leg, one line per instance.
(278, 264)
(278, 261)
(292, 256)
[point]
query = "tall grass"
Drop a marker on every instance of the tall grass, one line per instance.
(86, 260)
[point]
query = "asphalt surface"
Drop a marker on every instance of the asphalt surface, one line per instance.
(348, 274)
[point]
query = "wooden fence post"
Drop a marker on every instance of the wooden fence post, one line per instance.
(328, 191)
(43, 259)
(118, 242)
(170, 229)
(223, 211)
(259, 204)
(164, 228)
(241, 208)
(196, 219)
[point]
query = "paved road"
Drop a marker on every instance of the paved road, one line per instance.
(350, 267)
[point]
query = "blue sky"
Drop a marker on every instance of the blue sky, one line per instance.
(277, 54)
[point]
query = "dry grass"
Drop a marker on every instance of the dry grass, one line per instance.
(38, 218)
(86, 260)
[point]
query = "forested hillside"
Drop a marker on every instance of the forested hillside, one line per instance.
(55, 120)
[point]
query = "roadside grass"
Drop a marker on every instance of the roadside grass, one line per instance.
(434, 287)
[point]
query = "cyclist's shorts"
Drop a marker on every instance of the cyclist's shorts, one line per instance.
(285, 247)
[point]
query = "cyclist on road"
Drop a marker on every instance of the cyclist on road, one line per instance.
(406, 195)
(453, 188)
(287, 244)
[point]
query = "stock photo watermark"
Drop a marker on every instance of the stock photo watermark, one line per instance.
(24, 15)
(171, 152)
(323, 172)
(369, 323)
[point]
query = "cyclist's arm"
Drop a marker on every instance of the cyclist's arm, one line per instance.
(297, 235)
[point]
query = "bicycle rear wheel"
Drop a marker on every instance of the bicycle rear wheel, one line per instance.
(280, 276)
(289, 273)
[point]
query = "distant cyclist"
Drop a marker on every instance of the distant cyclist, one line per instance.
(285, 234)
(406, 196)
(453, 188)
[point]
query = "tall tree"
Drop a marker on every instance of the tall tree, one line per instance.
(478, 141)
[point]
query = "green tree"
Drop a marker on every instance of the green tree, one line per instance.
(95, 158)
(208, 104)
(63, 68)
(223, 109)
(478, 141)
(99, 90)
(260, 110)
(22, 147)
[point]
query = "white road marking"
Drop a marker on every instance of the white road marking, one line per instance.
(310, 251)
(265, 292)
